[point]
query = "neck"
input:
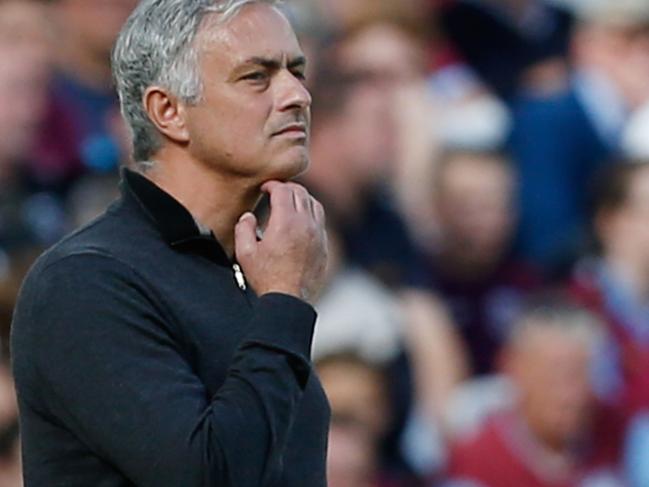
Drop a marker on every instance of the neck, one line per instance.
(551, 452)
(465, 265)
(633, 276)
(215, 200)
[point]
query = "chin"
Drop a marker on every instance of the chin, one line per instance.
(292, 168)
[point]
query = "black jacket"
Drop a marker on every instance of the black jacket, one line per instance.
(140, 360)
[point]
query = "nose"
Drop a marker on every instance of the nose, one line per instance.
(292, 94)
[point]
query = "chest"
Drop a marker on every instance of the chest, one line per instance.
(208, 312)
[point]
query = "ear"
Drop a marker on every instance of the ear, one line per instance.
(167, 113)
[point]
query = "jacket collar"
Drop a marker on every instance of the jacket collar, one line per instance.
(175, 223)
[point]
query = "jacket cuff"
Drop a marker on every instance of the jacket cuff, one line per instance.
(284, 322)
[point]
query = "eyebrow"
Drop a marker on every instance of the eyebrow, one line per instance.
(274, 63)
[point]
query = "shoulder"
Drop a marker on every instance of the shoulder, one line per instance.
(111, 240)
(89, 265)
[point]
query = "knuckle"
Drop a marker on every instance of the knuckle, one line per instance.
(300, 190)
(296, 186)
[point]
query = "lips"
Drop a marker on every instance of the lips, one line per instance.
(293, 128)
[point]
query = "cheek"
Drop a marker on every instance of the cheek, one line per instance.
(245, 127)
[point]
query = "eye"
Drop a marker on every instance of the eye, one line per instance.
(257, 76)
(299, 75)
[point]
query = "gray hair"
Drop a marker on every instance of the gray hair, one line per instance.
(552, 312)
(157, 47)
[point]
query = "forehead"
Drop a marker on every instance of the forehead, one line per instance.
(542, 342)
(258, 30)
(475, 171)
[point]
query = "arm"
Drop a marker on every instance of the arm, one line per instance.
(113, 375)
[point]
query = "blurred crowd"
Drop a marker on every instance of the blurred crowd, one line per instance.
(485, 169)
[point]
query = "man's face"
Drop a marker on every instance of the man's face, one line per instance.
(23, 80)
(622, 54)
(474, 206)
(254, 116)
(551, 372)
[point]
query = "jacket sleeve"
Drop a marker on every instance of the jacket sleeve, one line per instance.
(113, 375)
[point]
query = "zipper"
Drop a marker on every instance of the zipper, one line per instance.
(239, 277)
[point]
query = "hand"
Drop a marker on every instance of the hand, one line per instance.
(292, 256)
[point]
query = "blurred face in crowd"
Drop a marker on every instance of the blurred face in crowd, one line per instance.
(24, 28)
(22, 102)
(254, 116)
(94, 24)
(357, 393)
(383, 54)
(550, 369)
(382, 58)
(474, 206)
(23, 75)
(625, 231)
(621, 53)
(351, 457)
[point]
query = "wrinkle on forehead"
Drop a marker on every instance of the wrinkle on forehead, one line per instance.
(242, 28)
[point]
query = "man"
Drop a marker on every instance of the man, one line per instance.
(615, 284)
(471, 264)
(552, 435)
(561, 139)
(82, 91)
(145, 354)
(354, 142)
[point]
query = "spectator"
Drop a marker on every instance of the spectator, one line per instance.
(408, 335)
(351, 145)
(83, 99)
(351, 457)
(548, 437)
(615, 284)
(560, 140)
(470, 263)
(355, 310)
(24, 51)
(361, 416)
(28, 217)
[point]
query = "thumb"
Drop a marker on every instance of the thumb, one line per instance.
(245, 235)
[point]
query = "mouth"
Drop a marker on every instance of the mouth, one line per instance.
(294, 129)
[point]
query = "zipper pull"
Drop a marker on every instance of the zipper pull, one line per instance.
(239, 277)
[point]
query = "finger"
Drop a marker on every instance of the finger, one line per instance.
(312, 207)
(245, 236)
(268, 186)
(301, 197)
(319, 212)
(281, 196)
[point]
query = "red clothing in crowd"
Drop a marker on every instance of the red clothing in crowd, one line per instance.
(633, 353)
(504, 454)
